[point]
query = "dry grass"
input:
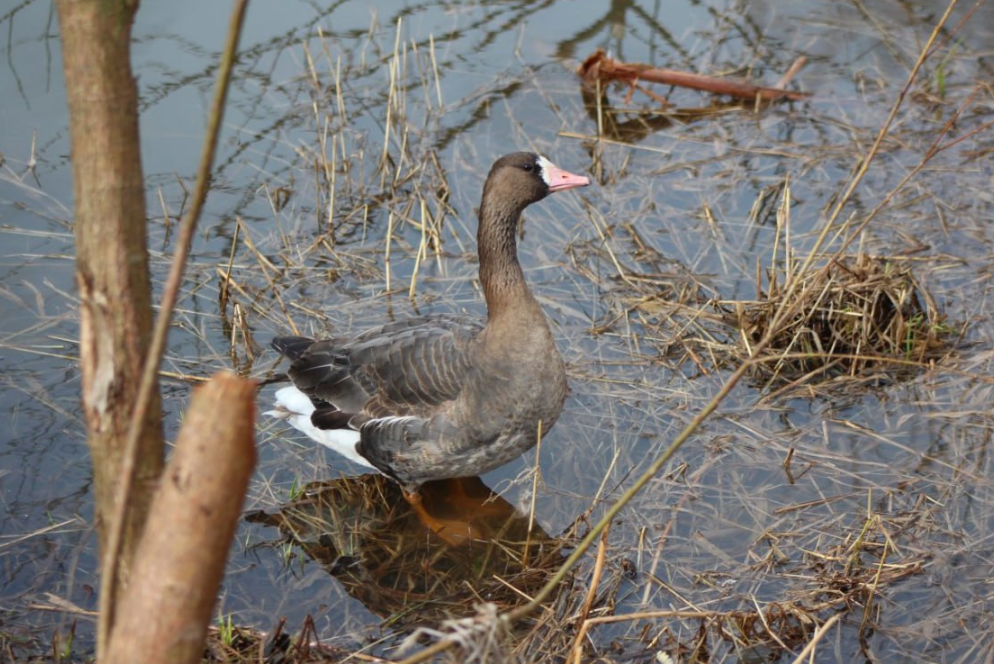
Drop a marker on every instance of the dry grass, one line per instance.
(835, 322)
(845, 487)
(860, 316)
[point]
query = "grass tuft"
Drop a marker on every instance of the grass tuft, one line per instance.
(858, 316)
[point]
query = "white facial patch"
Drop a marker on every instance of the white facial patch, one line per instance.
(547, 167)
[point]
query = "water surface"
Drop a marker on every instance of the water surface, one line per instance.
(673, 201)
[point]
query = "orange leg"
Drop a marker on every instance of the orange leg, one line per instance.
(453, 531)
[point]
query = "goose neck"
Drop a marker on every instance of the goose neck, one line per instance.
(503, 281)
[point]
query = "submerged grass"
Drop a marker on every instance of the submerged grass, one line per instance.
(800, 520)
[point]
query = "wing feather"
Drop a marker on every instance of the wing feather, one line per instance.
(399, 369)
(394, 385)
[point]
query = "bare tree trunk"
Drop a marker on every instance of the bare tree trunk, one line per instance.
(177, 560)
(111, 258)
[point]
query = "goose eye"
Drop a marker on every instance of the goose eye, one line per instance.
(528, 168)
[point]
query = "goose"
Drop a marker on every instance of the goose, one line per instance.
(442, 396)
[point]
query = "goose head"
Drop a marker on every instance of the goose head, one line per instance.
(519, 179)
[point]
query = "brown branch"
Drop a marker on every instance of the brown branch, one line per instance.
(164, 611)
(147, 393)
(598, 66)
(111, 270)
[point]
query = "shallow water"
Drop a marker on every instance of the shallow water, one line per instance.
(671, 201)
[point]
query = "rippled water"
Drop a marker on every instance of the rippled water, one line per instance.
(672, 201)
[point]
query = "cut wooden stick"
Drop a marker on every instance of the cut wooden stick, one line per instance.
(599, 67)
(179, 563)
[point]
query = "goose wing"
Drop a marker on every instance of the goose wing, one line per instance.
(407, 368)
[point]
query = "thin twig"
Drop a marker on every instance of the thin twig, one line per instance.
(588, 602)
(818, 635)
(535, 479)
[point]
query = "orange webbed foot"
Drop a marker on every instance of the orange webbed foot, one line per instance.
(453, 532)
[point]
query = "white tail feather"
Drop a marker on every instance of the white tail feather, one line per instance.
(296, 408)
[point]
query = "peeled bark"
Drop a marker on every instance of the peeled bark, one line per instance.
(162, 618)
(111, 258)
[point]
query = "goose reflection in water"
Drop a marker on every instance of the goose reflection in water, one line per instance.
(378, 546)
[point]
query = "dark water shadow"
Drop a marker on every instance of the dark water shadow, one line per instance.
(366, 535)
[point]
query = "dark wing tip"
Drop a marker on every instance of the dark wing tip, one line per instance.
(329, 417)
(291, 347)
